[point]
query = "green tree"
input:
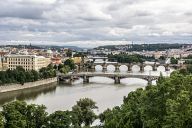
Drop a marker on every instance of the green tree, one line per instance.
(174, 61)
(59, 119)
(36, 116)
(189, 68)
(14, 114)
(65, 69)
(83, 113)
(35, 75)
(18, 114)
(70, 63)
(1, 121)
(60, 66)
(166, 105)
(21, 77)
(69, 53)
(184, 71)
(29, 76)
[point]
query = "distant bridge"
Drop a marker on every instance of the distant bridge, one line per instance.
(116, 77)
(130, 66)
(94, 58)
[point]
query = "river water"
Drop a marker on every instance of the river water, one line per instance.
(102, 90)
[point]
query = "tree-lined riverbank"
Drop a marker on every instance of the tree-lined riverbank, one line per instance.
(15, 87)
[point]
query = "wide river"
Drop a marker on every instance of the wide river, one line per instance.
(101, 90)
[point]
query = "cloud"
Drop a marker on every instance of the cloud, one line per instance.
(65, 21)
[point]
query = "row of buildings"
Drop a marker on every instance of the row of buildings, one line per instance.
(176, 53)
(31, 59)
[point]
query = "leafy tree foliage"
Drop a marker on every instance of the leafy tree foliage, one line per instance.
(19, 114)
(146, 47)
(83, 112)
(70, 63)
(19, 75)
(174, 61)
(69, 53)
(47, 72)
(59, 119)
(166, 105)
(65, 69)
(125, 58)
(189, 68)
(1, 121)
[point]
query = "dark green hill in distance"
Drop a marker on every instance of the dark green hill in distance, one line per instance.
(141, 47)
(76, 48)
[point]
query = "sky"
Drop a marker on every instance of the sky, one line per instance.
(90, 23)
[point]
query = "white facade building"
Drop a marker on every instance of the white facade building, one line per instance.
(28, 62)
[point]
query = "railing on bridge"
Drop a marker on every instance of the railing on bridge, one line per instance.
(115, 76)
(130, 66)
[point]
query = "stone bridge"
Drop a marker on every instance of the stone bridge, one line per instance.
(98, 58)
(130, 65)
(116, 77)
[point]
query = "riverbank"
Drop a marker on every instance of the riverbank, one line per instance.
(15, 87)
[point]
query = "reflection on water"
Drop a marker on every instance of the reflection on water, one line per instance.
(62, 97)
(27, 94)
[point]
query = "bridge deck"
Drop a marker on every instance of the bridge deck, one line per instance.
(89, 74)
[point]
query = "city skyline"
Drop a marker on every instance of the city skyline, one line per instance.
(96, 22)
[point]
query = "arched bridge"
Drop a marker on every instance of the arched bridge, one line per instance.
(130, 66)
(116, 77)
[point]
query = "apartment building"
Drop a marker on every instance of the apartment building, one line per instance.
(28, 62)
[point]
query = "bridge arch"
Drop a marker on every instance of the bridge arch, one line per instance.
(110, 68)
(135, 68)
(148, 68)
(123, 68)
(98, 68)
(161, 68)
(116, 77)
(105, 79)
(131, 81)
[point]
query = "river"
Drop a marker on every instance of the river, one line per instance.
(101, 90)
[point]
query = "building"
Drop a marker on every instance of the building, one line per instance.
(2, 59)
(28, 62)
(77, 60)
(56, 60)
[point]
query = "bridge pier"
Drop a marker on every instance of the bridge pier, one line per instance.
(141, 68)
(78, 67)
(104, 68)
(71, 80)
(85, 79)
(117, 80)
(93, 68)
(117, 68)
(129, 68)
(167, 67)
(154, 67)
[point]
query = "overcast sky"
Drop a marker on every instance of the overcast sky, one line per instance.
(95, 22)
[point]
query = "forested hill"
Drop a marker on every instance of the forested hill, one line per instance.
(141, 47)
